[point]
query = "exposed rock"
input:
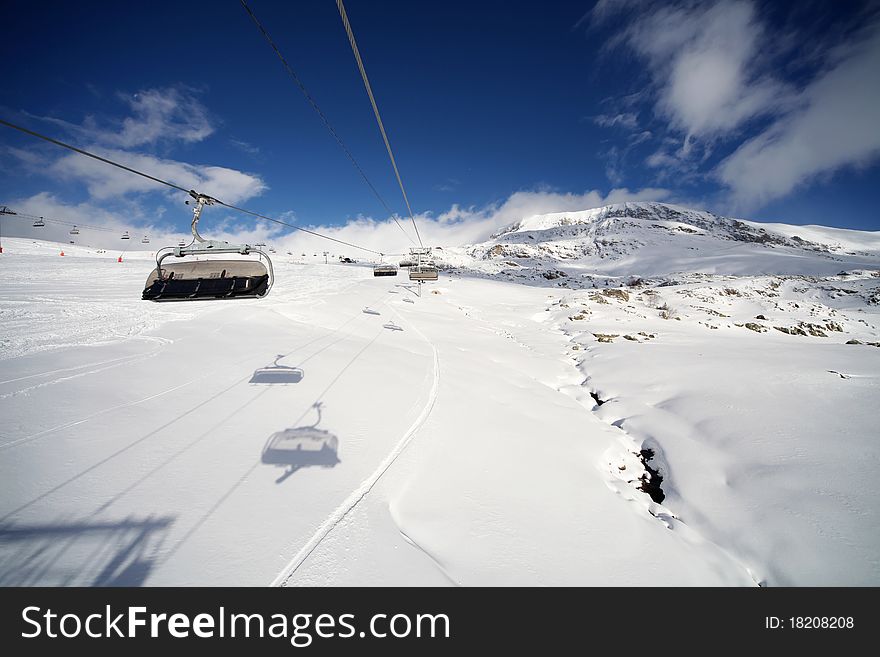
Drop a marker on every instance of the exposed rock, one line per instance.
(606, 337)
(650, 481)
(794, 330)
(623, 295)
(631, 337)
(761, 317)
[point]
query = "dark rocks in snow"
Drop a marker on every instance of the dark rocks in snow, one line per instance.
(553, 274)
(761, 317)
(757, 328)
(622, 295)
(650, 481)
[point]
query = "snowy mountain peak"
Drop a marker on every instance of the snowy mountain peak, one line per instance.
(648, 238)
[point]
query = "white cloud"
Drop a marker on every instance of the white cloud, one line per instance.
(160, 115)
(458, 226)
(835, 126)
(707, 64)
(106, 182)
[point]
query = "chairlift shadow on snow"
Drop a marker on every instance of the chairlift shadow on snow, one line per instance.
(81, 553)
(300, 447)
(410, 288)
(277, 374)
(391, 326)
(370, 311)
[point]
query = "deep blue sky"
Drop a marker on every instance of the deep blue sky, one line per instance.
(480, 99)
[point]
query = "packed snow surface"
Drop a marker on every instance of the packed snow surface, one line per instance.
(605, 402)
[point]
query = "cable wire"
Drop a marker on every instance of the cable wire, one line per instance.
(191, 192)
(324, 119)
(360, 63)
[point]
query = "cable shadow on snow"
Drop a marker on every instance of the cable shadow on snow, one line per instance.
(300, 447)
(276, 374)
(81, 553)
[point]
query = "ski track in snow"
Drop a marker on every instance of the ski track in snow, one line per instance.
(361, 492)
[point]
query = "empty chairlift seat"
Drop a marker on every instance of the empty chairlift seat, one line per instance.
(385, 270)
(177, 277)
(424, 273)
(207, 279)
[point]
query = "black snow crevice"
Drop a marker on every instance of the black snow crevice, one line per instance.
(651, 480)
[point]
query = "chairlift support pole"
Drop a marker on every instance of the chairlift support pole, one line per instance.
(3, 210)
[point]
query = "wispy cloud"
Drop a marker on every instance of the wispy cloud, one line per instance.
(834, 125)
(245, 147)
(722, 80)
(626, 120)
(169, 115)
(449, 185)
(707, 66)
(104, 182)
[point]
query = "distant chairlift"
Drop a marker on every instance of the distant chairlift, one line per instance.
(146, 240)
(125, 236)
(190, 280)
(423, 267)
(39, 223)
(385, 270)
(74, 231)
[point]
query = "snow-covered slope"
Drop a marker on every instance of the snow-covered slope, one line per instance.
(688, 401)
(656, 239)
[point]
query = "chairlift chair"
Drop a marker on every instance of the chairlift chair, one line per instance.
(74, 231)
(424, 273)
(191, 280)
(385, 270)
(125, 236)
(423, 267)
(146, 240)
(39, 223)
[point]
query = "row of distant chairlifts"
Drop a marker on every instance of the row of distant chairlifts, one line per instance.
(40, 223)
(191, 272)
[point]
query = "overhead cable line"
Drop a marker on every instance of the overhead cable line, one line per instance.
(324, 119)
(360, 63)
(191, 192)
